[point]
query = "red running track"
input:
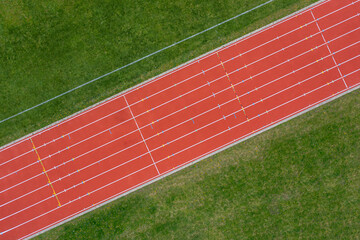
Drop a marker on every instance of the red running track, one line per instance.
(180, 117)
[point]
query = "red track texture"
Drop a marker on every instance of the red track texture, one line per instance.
(179, 117)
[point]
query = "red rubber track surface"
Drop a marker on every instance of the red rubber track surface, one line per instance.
(179, 117)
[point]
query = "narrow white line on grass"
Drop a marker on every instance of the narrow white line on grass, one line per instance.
(136, 61)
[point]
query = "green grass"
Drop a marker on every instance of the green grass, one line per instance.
(50, 46)
(300, 180)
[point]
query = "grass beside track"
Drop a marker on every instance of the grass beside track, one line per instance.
(300, 180)
(48, 47)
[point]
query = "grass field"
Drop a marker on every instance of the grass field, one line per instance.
(299, 180)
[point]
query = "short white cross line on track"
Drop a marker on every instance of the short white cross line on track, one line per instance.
(146, 83)
(327, 45)
(142, 135)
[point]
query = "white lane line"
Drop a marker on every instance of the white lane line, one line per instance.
(196, 74)
(162, 89)
(327, 45)
(142, 136)
(334, 39)
(265, 84)
(204, 141)
(241, 95)
(221, 118)
(226, 116)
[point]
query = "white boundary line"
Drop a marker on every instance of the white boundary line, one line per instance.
(201, 114)
(166, 73)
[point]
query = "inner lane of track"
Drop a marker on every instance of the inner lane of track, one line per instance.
(237, 93)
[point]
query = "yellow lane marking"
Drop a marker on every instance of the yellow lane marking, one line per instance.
(45, 172)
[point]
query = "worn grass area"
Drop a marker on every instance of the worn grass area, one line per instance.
(50, 46)
(300, 180)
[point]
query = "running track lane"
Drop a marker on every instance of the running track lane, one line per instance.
(179, 117)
